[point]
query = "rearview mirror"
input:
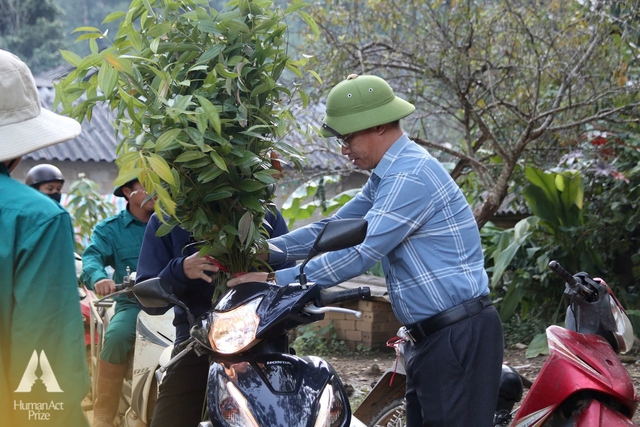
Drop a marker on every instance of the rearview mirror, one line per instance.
(336, 235)
(157, 293)
(153, 293)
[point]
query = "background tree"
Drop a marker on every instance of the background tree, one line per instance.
(33, 30)
(87, 208)
(499, 84)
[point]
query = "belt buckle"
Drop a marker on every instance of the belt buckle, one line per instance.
(404, 333)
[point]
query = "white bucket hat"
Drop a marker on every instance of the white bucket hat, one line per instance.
(24, 125)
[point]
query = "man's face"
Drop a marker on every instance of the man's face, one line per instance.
(359, 149)
(137, 196)
(51, 187)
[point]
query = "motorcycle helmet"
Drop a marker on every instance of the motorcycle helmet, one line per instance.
(43, 173)
(362, 102)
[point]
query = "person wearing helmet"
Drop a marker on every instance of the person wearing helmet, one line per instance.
(422, 229)
(116, 242)
(43, 367)
(46, 179)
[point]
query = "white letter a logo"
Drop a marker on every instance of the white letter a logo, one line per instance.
(30, 377)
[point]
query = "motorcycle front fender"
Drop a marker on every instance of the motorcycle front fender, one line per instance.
(278, 390)
(389, 387)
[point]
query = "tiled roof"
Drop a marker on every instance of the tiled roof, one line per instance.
(97, 142)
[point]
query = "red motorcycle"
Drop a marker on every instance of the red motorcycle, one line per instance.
(87, 297)
(583, 383)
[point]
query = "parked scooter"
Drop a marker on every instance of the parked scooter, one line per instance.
(154, 342)
(582, 382)
(254, 377)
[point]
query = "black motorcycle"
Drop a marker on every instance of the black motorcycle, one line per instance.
(255, 379)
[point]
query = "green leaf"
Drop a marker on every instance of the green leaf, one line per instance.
(310, 22)
(164, 229)
(266, 176)
(160, 167)
(212, 113)
(71, 57)
(126, 175)
(219, 161)
(92, 29)
(224, 73)
(251, 186)
(167, 140)
(252, 203)
(511, 301)
(217, 195)
(120, 64)
(538, 346)
(188, 156)
(209, 175)
(113, 16)
(244, 226)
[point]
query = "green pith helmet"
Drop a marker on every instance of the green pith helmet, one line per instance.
(362, 102)
(118, 190)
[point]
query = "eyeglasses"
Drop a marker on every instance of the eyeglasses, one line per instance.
(342, 139)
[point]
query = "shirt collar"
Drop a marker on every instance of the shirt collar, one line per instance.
(389, 157)
(128, 218)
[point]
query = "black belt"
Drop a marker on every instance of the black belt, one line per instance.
(448, 317)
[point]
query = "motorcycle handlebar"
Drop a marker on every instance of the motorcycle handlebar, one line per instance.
(333, 297)
(557, 268)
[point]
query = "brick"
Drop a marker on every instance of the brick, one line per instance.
(373, 305)
(353, 336)
(375, 338)
(335, 316)
(369, 327)
(376, 316)
(347, 325)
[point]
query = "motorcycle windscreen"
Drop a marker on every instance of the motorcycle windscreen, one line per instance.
(277, 390)
(624, 330)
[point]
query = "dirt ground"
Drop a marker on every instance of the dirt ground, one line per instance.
(360, 373)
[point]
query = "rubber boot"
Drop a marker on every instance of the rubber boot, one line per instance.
(110, 378)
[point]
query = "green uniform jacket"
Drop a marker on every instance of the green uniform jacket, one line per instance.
(43, 367)
(115, 242)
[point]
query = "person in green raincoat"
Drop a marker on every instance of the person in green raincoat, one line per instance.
(43, 367)
(116, 242)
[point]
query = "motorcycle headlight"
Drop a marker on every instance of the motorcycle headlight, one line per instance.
(331, 411)
(233, 331)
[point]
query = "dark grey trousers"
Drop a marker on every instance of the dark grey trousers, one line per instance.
(182, 393)
(453, 375)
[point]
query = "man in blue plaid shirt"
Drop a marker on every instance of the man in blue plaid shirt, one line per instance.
(422, 229)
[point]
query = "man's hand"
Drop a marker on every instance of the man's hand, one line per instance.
(195, 267)
(257, 276)
(104, 287)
